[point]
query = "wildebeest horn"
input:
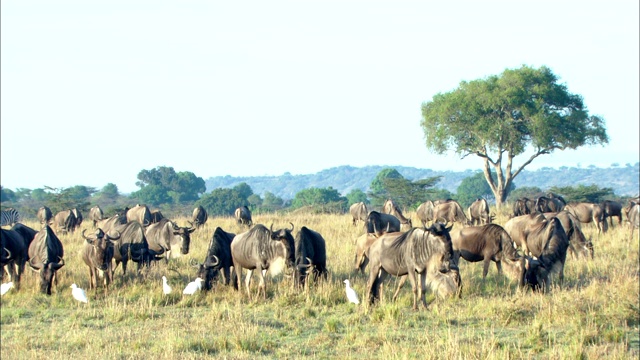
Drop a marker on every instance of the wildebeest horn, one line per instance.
(8, 252)
(271, 227)
(59, 264)
(114, 237)
(216, 263)
(88, 238)
(291, 226)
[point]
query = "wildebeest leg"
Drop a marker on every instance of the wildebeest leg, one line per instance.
(90, 278)
(414, 288)
(422, 290)
(373, 284)
(499, 266)
(485, 268)
(226, 274)
(262, 286)
(403, 278)
(247, 281)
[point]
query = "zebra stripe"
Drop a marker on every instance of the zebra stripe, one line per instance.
(10, 216)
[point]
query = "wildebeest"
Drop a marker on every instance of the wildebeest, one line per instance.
(132, 245)
(139, 213)
(408, 253)
(518, 228)
(391, 208)
(523, 206)
(243, 216)
(262, 249)
(479, 213)
(449, 212)
(612, 209)
(13, 254)
(199, 216)
(548, 244)
(549, 204)
(358, 212)
(425, 212)
(311, 255)
(78, 216)
(579, 246)
(95, 215)
(166, 235)
(380, 223)
(634, 217)
(442, 284)
(44, 215)
(156, 216)
(362, 250)
(46, 255)
(218, 258)
(65, 221)
(587, 212)
(483, 243)
(97, 254)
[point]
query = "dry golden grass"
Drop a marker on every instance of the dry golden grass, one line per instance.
(595, 315)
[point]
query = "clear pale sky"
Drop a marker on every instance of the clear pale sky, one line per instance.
(95, 91)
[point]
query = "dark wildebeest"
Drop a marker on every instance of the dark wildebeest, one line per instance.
(13, 254)
(549, 204)
(587, 212)
(523, 206)
(262, 249)
(379, 223)
(166, 235)
(484, 243)
(518, 226)
(218, 258)
(392, 209)
(579, 246)
(97, 254)
(612, 209)
(65, 221)
(425, 212)
(46, 256)
(95, 215)
(408, 253)
(310, 253)
(358, 212)
(548, 244)
(199, 216)
(132, 245)
(44, 215)
(243, 216)
(479, 213)
(141, 214)
(156, 216)
(362, 251)
(449, 212)
(78, 216)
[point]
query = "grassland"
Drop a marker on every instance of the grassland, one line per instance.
(596, 314)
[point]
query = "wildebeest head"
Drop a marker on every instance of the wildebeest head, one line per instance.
(534, 274)
(442, 245)
(208, 270)
(284, 236)
(102, 245)
(185, 234)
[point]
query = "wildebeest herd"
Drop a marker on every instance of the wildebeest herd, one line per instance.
(532, 245)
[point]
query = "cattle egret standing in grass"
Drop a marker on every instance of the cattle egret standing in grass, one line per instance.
(78, 293)
(5, 287)
(193, 286)
(166, 289)
(351, 294)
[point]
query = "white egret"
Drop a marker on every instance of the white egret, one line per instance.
(193, 286)
(78, 293)
(166, 288)
(5, 287)
(351, 294)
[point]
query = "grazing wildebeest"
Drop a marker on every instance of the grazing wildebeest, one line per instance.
(450, 212)
(311, 255)
(243, 216)
(612, 209)
(218, 258)
(479, 213)
(362, 250)
(587, 212)
(262, 249)
(518, 228)
(379, 223)
(483, 243)
(358, 212)
(78, 216)
(166, 235)
(549, 204)
(44, 215)
(425, 212)
(392, 209)
(579, 246)
(13, 254)
(408, 253)
(95, 215)
(523, 206)
(140, 213)
(443, 285)
(132, 245)
(65, 221)
(548, 244)
(156, 216)
(199, 216)
(97, 254)
(46, 256)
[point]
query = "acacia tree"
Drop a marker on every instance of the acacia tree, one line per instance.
(500, 117)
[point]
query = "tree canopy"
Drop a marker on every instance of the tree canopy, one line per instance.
(501, 117)
(163, 185)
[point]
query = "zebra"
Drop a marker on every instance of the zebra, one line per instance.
(10, 217)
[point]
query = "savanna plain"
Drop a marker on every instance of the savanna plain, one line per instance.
(596, 314)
